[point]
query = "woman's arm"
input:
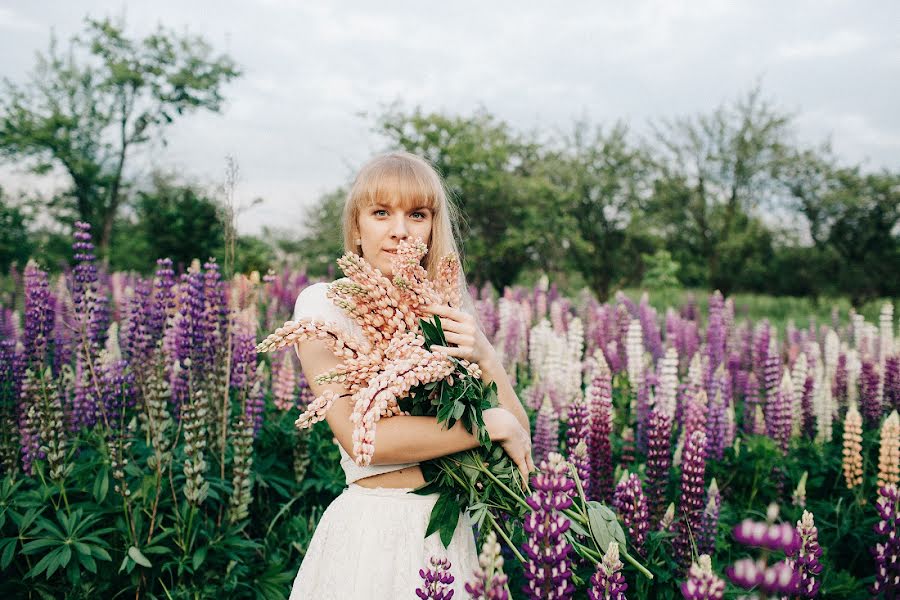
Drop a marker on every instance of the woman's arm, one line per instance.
(410, 439)
(492, 370)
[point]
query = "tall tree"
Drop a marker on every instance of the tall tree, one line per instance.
(600, 176)
(713, 171)
(87, 109)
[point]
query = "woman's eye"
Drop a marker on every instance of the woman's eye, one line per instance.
(418, 215)
(380, 212)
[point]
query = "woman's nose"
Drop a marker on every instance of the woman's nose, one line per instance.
(398, 228)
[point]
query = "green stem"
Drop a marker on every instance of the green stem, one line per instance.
(506, 539)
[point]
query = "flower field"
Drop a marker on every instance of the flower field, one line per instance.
(146, 450)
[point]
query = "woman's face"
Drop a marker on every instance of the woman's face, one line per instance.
(383, 226)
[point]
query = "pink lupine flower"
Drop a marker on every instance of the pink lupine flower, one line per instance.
(284, 383)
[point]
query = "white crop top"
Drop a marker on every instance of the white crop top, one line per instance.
(312, 303)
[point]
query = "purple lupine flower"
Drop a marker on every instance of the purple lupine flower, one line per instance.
(38, 315)
(599, 398)
(806, 560)
(839, 387)
(659, 460)
(63, 336)
(11, 374)
(652, 339)
(778, 578)
(690, 508)
(778, 413)
(696, 413)
(761, 344)
(887, 551)
(808, 424)
(892, 382)
(91, 305)
(715, 333)
(118, 393)
(630, 503)
(715, 426)
(188, 340)
(546, 431)
(702, 583)
(164, 290)
(577, 430)
(135, 339)
(869, 402)
(709, 520)
(547, 566)
(607, 582)
(215, 312)
(437, 580)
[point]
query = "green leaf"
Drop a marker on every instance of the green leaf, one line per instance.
(605, 526)
(35, 545)
(8, 552)
(444, 517)
(88, 561)
(199, 557)
(138, 557)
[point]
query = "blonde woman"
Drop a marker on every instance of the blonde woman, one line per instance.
(370, 542)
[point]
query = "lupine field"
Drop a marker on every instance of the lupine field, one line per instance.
(146, 450)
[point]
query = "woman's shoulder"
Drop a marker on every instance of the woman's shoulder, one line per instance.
(313, 303)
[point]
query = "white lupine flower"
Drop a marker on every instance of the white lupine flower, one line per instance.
(832, 350)
(634, 352)
(695, 371)
(668, 381)
(854, 366)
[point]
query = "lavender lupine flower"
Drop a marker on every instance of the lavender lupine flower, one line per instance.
(715, 427)
(188, 337)
(38, 315)
(648, 317)
(887, 551)
(490, 581)
(546, 431)
(437, 580)
(778, 578)
(599, 399)
(806, 560)
(659, 460)
(630, 503)
(690, 508)
(869, 402)
(709, 520)
(892, 382)
(577, 430)
(608, 583)
(702, 583)
(776, 537)
(752, 402)
(547, 567)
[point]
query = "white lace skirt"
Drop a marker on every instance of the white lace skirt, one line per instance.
(370, 544)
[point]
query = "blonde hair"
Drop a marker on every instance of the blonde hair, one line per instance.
(408, 181)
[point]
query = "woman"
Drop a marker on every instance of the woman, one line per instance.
(370, 542)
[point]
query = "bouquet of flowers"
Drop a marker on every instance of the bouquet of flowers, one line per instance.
(395, 372)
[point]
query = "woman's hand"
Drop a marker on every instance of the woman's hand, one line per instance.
(505, 429)
(461, 329)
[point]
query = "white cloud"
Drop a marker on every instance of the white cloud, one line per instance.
(10, 20)
(839, 43)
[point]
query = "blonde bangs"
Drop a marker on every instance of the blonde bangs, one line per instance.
(408, 181)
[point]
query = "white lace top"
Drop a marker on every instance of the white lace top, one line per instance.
(312, 303)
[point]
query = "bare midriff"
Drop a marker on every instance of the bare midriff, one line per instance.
(408, 477)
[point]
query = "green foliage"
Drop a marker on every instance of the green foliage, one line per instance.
(661, 271)
(15, 246)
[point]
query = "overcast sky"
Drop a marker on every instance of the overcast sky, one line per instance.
(310, 68)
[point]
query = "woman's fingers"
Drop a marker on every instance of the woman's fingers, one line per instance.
(461, 352)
